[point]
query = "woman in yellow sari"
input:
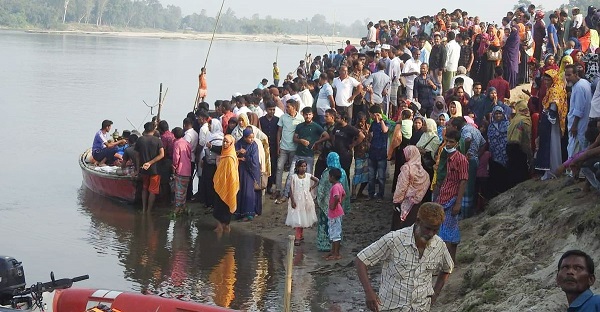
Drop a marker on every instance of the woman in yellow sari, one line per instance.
(227, 184)
(551, 125)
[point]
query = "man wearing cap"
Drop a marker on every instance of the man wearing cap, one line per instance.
(410, 257)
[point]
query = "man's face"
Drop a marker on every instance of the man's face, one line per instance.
(424, 69)
(421, 44)
(308, 117)
(329, 119)
(437, 40)
(570, 75)
(343, 72)
(290, 109)
(573, 276)
(451, 143)
(425, 232)
(477, 90)
(416, 54)
(271, 111)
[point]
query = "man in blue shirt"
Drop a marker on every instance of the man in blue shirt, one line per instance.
(377, 152)
(575, 277)
(104, 151)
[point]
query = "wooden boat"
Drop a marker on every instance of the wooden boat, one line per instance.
(121, 187)
(74, 299)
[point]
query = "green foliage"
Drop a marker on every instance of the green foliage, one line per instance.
(152, 14)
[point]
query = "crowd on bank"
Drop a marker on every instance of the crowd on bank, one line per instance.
(429, 96)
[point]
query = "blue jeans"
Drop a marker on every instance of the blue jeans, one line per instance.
(377, 176)
(283, 158)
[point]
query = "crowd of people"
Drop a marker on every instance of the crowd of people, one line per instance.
(430, 96)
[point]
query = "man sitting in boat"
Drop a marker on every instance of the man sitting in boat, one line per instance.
(129, 156)
(104, 151)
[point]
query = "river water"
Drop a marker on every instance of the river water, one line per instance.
(56, 90)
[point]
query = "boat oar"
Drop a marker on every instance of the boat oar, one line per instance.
(208, 53)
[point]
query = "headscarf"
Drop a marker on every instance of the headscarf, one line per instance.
(497, 137)
(429, 140)
(458, 109)
(566, 60)
(572, 58)
(522, 31)
(247, 132)
(216, 132)
(238, 131)
(557, 94)
(436, 111)
(227, 178)
(333, 161)
(519, 130)
(416, 134)
(471, 122)
(577, 43)
(585, 40)
(547, 66)
(418, 180)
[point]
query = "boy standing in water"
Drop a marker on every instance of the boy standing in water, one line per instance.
(335, 214)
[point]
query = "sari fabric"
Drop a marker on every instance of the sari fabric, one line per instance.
(226, 180)
(333, 161)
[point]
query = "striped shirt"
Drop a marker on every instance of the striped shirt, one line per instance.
(406, 279)
(457, 168)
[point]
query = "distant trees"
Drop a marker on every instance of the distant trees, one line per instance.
(152, 14)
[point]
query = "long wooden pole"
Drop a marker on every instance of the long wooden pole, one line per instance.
(287, 296)
(159, 102)
(209, 46)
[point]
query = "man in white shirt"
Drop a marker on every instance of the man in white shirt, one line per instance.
(468, 82)
(394, 74)
(452, 58)
(305, 96)
(411, 71)
(344, 86)
(191, 136)
(372, 33)
(240, 106)
(325, 99)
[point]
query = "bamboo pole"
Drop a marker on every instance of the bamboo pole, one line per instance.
(160, 98)
(287, 296)
(208, 53)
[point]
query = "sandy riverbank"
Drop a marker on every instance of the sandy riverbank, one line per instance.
(329, 41)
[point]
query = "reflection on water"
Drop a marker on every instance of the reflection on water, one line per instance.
(186, 259)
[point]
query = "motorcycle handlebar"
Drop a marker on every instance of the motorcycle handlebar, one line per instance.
(62, 283)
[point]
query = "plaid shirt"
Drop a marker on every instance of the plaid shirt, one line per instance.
(406, 280)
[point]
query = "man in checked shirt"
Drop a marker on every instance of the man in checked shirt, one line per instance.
(410, 257)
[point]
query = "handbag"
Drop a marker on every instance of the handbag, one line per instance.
(427, 160)
(262, 184)
(494, 55)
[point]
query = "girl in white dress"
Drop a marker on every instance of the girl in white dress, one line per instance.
(301, 206)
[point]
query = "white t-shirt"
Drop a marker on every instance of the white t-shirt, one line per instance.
(237, 111)
(411, 66)
(323, 103)
(344, 90)
(306, 98)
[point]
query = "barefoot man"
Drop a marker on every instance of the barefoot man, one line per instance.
(410, 257)
(202, 88)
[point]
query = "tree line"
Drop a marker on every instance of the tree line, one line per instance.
(56, 14)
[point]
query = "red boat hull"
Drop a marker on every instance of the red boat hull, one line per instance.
(125, 188)
(71, 299)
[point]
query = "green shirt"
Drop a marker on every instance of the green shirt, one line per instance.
(311, 132)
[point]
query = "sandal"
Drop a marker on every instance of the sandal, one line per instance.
(297, 242)
(332, 257)
(280, 200)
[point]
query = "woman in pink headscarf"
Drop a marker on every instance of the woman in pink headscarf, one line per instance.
(413, 183)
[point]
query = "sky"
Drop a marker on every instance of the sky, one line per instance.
(347, 11)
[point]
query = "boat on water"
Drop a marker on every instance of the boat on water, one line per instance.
(109, 181)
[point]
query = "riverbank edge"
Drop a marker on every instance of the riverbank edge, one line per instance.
(329, 42)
